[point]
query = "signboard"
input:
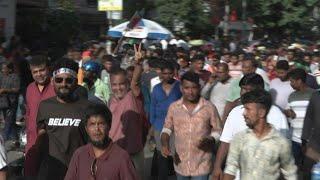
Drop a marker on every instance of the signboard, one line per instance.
(114, 15)
(137, 32)
(110, 5)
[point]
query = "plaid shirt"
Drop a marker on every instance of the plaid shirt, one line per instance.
(260, 158)
(9, 82)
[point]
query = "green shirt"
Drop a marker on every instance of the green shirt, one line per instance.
(100, 89)
(234, 90)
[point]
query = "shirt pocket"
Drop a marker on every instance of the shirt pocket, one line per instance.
(271, 157)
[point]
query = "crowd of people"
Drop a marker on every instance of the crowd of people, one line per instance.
(206, 113)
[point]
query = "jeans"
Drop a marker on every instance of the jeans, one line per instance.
(163, 167)
(203, 177)
(10, 129)
(297, 153)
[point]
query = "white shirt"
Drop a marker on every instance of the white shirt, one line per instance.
(280, 91)
(264, 75)
(3, 157)
(218, 95)
(235, 122)
(154, 82)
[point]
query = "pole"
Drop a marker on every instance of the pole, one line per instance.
(226, 17)
(132, 23)
(244, 17)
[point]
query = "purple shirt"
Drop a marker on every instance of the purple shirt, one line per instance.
(33, 99)
(114, 164)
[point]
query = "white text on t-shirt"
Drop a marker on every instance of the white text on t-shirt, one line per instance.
(63, 122)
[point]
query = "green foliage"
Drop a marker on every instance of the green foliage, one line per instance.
(63, 25)
(190, 12)
(67, 5)
(293, 16)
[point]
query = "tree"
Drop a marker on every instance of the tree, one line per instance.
(281, 16)
(63, 24)
(192, 13)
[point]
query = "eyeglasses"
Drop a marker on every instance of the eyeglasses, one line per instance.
(93, 168)
(67, 80)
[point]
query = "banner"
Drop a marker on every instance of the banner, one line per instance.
(110, 5)
(137, 32)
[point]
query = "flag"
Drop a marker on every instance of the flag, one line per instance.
(135, 19)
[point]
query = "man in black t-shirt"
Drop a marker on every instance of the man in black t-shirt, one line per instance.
(59, 121)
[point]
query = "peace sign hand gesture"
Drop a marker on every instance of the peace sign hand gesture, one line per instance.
(138, 57)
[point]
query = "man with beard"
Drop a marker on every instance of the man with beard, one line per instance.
(100, 158)
(259, 152)
(280, 88)
(235, 122)
(59, 121)
(97, 89)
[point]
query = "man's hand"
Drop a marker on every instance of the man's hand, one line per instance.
(2, 91)
(165, 151)
(176, 158)
(138, 57)
(217, 173)
(206, 144)
(212, 79)
(290, 113)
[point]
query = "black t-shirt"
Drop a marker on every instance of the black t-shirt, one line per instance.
(64, 126)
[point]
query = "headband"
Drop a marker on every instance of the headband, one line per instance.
(65, 71)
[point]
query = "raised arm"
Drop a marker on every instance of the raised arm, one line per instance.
(135, 82)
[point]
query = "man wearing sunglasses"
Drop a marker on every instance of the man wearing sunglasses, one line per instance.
(101, 158)
(59, 122)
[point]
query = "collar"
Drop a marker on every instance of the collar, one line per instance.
(202, 102)
(272, 133)
(105, 155)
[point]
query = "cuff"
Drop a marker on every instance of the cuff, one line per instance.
(231, 170)
(167, 131)
(215, 135)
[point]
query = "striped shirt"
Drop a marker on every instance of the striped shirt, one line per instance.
(298, 101)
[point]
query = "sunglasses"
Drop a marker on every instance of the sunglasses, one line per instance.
(93, 168)
(67, 80)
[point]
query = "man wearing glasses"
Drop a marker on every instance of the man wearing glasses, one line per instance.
(101, 158)
(59, 122)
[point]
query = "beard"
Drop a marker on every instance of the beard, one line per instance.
(195, 100)
(250, 126)
(100, 144)
(65, 96)
(171, 81)
(65, 93)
